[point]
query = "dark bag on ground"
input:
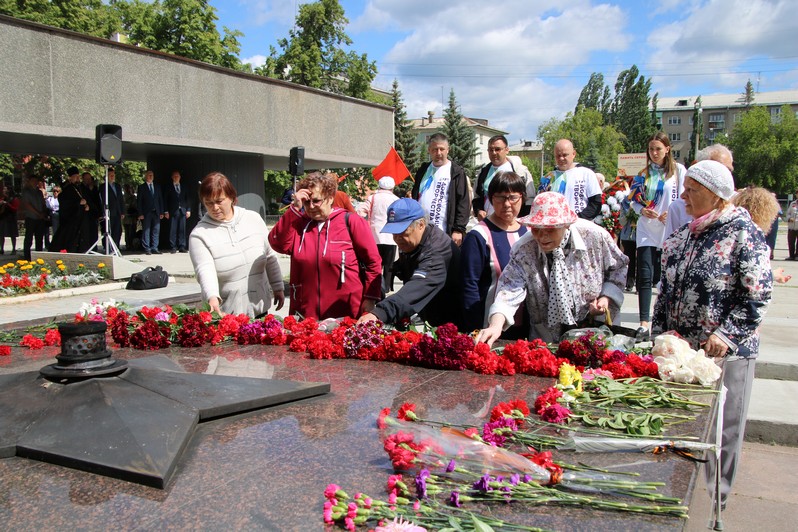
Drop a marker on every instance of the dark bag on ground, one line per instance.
(148, 279)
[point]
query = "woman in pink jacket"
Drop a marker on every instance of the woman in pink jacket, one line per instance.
(335, 265)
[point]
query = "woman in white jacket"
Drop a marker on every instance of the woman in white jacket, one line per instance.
(236, 268)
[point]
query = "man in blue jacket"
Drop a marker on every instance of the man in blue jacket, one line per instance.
(428, 266)
(149, 203)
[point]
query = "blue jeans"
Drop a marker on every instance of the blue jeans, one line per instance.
(151, 230)
(649, 266)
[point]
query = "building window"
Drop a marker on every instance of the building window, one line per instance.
(675, 136)
(674, 120)
(737, 117)
(677, 154)
(717, 118)
(775, 114)
(691, 120)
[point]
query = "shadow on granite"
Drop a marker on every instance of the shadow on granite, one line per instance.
(267, 470)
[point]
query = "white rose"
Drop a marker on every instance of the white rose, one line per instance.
(605, 210)
(683, 374)
(705, 370)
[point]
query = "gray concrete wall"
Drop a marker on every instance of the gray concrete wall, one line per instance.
(58, 85)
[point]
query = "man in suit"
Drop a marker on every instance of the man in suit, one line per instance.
(116, 207)
(149, 203)
(177, 212)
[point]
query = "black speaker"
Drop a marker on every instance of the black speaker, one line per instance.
(109, 144)
(296, 163)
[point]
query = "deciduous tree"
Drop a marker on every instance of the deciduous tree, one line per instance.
(596, 95)
(630, 111)
(597, 145)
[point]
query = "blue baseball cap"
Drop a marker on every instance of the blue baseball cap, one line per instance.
(401, 214)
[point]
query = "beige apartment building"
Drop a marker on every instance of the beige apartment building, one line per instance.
(719, 114)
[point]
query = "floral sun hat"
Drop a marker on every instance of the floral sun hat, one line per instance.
(550, 210)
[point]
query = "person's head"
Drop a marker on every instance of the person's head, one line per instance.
(87, 179)
(708, 185)
(149, 176)
(564, 154)
(507, 193)
(56, 190)
(111, 175)
(406, 222)
(548, 219)
(438, 148)
(602, 181)
(498, 150)
(659, 152)
(218, 195)
(175, 177)
(322, 188)
(33, 181)
(760, 203)
(717, 152)
(386, 183)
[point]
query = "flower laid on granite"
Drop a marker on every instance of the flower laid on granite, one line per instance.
(26, 277)
(678, 362)
(99, 311)
(450, 472)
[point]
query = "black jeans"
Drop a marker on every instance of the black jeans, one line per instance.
(649, 267)
(34, 228)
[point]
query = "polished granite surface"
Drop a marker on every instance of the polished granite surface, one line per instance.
(267, 470)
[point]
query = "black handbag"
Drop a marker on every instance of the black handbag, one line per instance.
(148, 279)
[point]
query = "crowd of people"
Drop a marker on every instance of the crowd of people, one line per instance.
(504, 260)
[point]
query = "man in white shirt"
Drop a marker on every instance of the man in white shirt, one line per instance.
(441, 187)
(577, 183)
(500, 161)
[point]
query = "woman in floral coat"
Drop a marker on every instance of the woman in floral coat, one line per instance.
(716, 285)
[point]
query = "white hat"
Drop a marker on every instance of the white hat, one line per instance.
(715, 176)
(386, 183)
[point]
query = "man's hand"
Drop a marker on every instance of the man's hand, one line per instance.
(481, 215)
(188, 215)
(367, 306)
(649, 213)
(166, 215)
(279, 299)
(368, 316)
(457, 237)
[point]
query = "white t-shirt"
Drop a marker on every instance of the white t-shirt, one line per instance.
(581, 183)
(434, 199)
(492, 171)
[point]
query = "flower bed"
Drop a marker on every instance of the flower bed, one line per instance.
(29, 277)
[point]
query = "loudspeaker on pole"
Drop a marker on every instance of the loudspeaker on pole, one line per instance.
(296, 162)
(109, 144)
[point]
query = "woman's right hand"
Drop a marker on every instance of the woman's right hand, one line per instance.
(214, 303)
(493, 331)
(300, 197)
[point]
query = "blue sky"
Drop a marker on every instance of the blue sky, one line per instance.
(519, 63)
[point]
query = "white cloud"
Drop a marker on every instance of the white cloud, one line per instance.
(255, 60)
(722, 43)
(266, 11)
(513, 63)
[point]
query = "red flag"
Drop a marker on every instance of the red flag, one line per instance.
(392, 166)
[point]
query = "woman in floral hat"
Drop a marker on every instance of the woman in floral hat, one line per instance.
(564, 269)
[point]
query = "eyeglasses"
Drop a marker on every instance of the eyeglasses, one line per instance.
(316, 201)
(512, 198)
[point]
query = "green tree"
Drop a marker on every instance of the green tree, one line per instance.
(404, 139)
(313, 54)
(766, 153)
(596, 95)
(90, 17)
(182, 27)
(630, 111)
(462, 148)
(597, 145)
(697, 138)
(748, 95)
